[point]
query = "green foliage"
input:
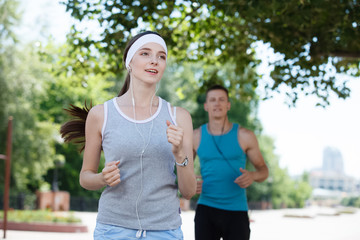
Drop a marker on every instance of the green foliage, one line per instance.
(207, 45)
(178, 84)
(21, 81)
(300, 192)
(243, 102)
(35, 87)
(351, 202)
(30, 216)
(316, 39)
(33, 139)
(68, 175)
(10, 17)
(71, 85)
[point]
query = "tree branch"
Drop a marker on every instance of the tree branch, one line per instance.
(345, 54)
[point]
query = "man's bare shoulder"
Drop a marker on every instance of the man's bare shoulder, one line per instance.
(197, 130)
(246, 137)
(196, 134)
(196, 138)
(245, 131)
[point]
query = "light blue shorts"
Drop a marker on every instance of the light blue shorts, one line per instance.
(110, 232)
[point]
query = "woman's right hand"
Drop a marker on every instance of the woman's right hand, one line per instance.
(111, 173)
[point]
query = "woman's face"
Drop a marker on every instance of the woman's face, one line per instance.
(149, 63)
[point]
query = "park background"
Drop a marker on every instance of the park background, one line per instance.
(292, 70)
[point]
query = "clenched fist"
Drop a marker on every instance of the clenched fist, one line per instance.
(175, 136)
(111, 173)
(245, 180)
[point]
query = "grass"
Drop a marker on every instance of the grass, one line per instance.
(40, 216)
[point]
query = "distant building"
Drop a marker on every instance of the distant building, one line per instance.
(333, 161)
(332, 181)
(331, 176)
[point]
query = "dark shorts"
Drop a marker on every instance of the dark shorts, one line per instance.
(213, 223)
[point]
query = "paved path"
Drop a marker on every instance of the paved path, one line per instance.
(272, 225)
(269, 224)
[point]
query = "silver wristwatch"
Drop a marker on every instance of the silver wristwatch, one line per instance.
(184, 163)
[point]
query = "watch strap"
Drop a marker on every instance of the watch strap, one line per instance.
(184, 163)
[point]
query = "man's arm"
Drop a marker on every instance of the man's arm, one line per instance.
(196, 143)
(250, 145)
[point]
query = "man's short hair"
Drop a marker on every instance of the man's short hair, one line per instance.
(218, 87)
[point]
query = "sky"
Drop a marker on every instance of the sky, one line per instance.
(300, 133)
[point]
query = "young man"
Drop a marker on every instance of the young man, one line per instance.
(223, 149)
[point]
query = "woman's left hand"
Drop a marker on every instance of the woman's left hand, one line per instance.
(175, 136)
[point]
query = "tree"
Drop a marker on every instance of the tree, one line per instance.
(72, 85)
(351, 201)
(9, 18)
(301, 191)
(33, 140)
(21, 83)
(317, 40)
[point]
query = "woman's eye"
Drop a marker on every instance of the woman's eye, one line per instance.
(162, 57)
(144, 54)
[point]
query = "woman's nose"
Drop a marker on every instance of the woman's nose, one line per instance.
(154, 60)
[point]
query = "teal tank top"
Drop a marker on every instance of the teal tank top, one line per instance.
(221, 157)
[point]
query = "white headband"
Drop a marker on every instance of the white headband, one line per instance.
(141, 42)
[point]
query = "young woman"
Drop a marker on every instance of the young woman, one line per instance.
(143, 138)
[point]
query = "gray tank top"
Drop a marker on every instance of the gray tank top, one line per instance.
(146, 198)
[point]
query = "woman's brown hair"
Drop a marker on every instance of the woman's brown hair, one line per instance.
(74, 129)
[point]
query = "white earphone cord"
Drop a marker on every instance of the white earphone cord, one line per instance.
(145, 145)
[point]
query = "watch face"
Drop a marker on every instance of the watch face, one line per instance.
(186, 161)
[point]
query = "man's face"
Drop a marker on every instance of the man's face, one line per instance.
(217, 104)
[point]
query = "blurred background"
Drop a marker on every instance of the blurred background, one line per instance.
(292, 69)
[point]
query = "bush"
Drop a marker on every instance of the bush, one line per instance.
(40, 216)
(351, 202)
